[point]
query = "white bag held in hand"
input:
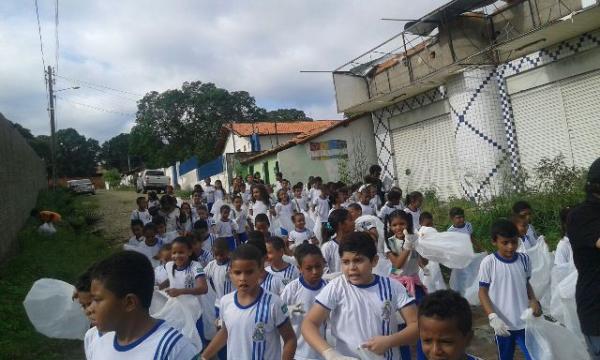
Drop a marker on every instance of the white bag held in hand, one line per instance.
(434, 280)
(465, 281)
(559, 273)
(366, 354)
(546, 340)
(566, 292)
(47, 229)
(182, 312)
(52, 311)
(541, 267)
(452, 249)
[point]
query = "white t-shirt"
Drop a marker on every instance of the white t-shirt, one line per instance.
(217, 275)
(298, 237)
(205, 257)
(253, 330)
(506, 281)
(358, 313)
(133, 241)
(241, 219)
(184, 278)
(91, 336)
(411, 266)
(415, 218)
(226, 228)
(313, 194)
(331, 255)
(564, 252)
(167, 237)
(299, 204)
(375, 203)
(149, 251)
(288, 274)
(387, 209)
(367, 209)
(209, 193)
(321, 208)
(259, 207)
(160, 275)
(284, 210)
(219, 195)
(528, 241)
(208, 243)
(171, 219)
(466, 229)
(144, 216)
(299, 292)
(161, 342)
(272, 283)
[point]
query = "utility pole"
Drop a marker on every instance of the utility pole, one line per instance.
(52, 127)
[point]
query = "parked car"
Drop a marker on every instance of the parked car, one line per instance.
(152, 180)
(82, 186)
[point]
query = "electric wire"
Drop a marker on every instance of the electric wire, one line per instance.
(97, 108)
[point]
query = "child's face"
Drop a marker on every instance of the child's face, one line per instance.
(311, 268)
(142, 204)
(180, 253)
(274, 255)
(506, 246)
(526, 214)
(106, 308)
(218, 184)
(358, 268)
(346, 226)
(85, 300)
(197, 198)
(299, 222)
(298, 193)
(365, 197)
(149, 234)
(225, 214)
(237, 203)
(522, 227)
(458, 221)
(165, 256)
(202, 214)
(418, 202)
(283, 197)
(442, 340)
(398, 225)
(137, 230)
(354, 213)
(263, 227)
(256, 194)
(245, 275)
(186, 209)
(161, 229)
(220, 255)
(427, 222)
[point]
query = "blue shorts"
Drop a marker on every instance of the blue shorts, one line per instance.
(231, 243)
(284, 232)
(506, 345)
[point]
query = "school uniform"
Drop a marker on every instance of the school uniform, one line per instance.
(227, 229)
(297, 237)
(253, 329)
(299, 292)
(184, 278)
(360, 312)
(91, 336)
(134, 241)
(259, 207)
(143, 216)
(528, 241)
(286, 274)
(299, 204)
(415, 217)
(375, 203)
(331, 255)
(160, 342)
(205, 257)
(217, 275)
(273, 284)
(149, 251)
(467, 228)
(285, 212)
(209, 193)
(386, 210)
(241, 219)
(160, 274)
(506, 281)
(564, 252)
(367, 209)
(170, 219)
(219, 195)
(167, 237)
(321, 209)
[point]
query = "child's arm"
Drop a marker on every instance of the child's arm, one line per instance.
(486, 302)
(200, 289)
(163, 285)
(289, 340)
(408, 335)
(398, 261)
(423, 262)
(499, 326)
(216, 344)
(316, 316)
(534, 304)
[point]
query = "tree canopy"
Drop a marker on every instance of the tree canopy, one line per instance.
(115, 151)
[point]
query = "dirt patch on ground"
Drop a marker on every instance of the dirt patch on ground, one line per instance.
(115, 209)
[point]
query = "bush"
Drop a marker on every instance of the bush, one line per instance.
(112, 177)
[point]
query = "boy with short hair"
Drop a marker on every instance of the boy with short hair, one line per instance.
(298, 201)
(201, 232)
(253, 319)
(364, 200)
(362, 308)
(299, 295)
(355, 211)
(392, 204)
(504, 289)
(524, 209)
(268, 281)
(161, 230)
(141, 213)
(84, 297)
(426, 219)
(151, 244)
(457, 216)
(277, 266)
(137, 229)
(122, 287)
(200, 254)
(521, 224)
(445, 326)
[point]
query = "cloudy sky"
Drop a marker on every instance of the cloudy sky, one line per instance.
(142, 45)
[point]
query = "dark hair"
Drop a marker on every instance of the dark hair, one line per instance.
(305, 249)
(259, 244)
(159, 220)
(84, 281)
(224, 207)
(139, 198)
(248, 252)
(221, 245)
(298, 186)
(152, 195)
(276, 242)
(278, 174)
(425, 215)
(201, 225)
(413, 196)
(202, 207)
(295, 215)
(187, 241)
(355, 206)
(456, 211)
(262, 218)
(520, 206)
(264, 195)
(183, 218)
(150, 226)
(137, 222)
(403, 215)
(374, 169)
(504, 228)
(165, 247)
(127, 272)
(358, 242)
(256, 235)
(394, 195)
(448, 305)
(237, 197)
(336, 217)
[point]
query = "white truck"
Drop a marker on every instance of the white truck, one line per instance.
(152, 180)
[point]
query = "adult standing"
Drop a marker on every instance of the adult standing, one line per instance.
(583, 228)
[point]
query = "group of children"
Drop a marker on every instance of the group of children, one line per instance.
(273, 290)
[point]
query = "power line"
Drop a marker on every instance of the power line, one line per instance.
(97, 108)
(102, 90)
(37, 14)
(56, 54)
(98, 85)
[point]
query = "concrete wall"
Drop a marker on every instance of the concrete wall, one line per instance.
(22, 175)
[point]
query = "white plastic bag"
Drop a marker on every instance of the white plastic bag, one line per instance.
(365, 221)
(317, 230)
(566, 292)
(466, 281)
(434, 280)
(541, 267)
(546, 340)
(559, 273)
(383, 267)
(365, 354)
(181, 313)
(452, 249)
(52, 311)
(47, 229)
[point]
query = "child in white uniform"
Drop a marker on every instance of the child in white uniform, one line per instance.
(504, 290)
(141, 213)
(414, 201)
(227, 227)
(284, 211)
(129, 274)
(287, 272)
(137, 229)
(391, 205)
(339, 225)
(299, 295)
(299, 202)
(254, 320)
(361, 307)
(240, 216)
(151, 245)
(300, 234)
(564, 252)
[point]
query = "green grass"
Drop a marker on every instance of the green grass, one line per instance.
(62, 256)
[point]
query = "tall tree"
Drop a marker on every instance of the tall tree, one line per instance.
(115, 152)
(76, 155)
(286, 115)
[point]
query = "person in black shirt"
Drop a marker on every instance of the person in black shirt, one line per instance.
(583, 228)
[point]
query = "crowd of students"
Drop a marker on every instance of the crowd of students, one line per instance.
(300, 272)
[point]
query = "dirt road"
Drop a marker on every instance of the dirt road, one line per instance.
(115, 208)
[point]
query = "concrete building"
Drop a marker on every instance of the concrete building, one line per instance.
(474, 92)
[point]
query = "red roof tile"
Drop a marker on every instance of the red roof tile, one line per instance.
(270, 128)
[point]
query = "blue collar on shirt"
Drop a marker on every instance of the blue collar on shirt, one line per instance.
(308, 286)
(284, 269)
(235, 299)
(374, 282)
(222, 263)
(138, 341)
(505, 260)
